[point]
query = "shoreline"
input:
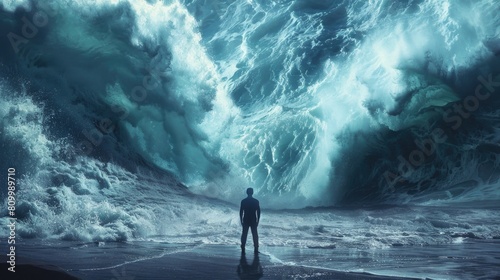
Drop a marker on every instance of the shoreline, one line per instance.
(55, 259)
(166, 261)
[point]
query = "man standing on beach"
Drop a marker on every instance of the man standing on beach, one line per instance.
(249, 218)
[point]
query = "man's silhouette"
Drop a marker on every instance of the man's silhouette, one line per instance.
(252, 271)
(249, 218)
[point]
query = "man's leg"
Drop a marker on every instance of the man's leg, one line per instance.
(244, 235)
(255, 237)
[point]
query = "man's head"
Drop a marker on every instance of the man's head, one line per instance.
(250, 191)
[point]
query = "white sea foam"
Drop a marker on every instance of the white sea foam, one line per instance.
(247, 106)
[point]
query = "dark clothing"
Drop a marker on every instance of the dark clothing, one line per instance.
(250, 271)
(249, 217)
(250, 211)
(255, 235)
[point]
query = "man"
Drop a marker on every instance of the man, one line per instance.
(250, 271)
(249, 218)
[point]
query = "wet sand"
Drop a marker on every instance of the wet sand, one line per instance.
(145, 260)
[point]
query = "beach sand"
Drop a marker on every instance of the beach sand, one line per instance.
(149, 260)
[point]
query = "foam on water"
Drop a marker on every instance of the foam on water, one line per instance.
(308, 103)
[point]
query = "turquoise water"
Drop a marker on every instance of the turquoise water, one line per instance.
(368, 127)
(474, 259)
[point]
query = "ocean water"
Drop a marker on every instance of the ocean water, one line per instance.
(477, 259)
(360, 124)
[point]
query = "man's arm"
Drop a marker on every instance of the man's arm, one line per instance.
(258, 212)
(241, 212)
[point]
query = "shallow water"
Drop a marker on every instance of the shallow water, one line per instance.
(311, 103)
(473, 259)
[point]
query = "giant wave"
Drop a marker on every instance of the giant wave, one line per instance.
(106, 104)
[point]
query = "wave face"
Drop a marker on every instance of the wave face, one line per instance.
(312, 103)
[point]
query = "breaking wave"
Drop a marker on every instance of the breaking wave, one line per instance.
(312, 103)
